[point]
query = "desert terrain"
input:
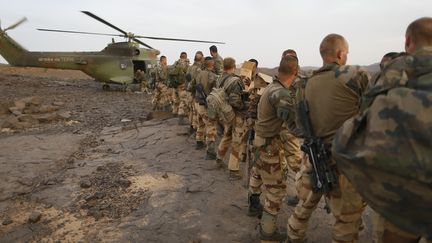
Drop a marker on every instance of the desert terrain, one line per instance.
(79, 164)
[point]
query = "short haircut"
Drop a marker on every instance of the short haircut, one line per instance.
(229, 63)
(331, 44)
(183, 53)
(288, 65)
(162, 58)
(213, 48)
(208, 61)
(290, 52)
(420, 32)
(255, 61)
(198, 56)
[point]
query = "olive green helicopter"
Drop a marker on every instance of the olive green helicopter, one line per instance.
(116, 63)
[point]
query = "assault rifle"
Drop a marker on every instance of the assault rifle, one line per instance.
(323, 178)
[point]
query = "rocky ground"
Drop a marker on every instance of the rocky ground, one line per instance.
(79, 164)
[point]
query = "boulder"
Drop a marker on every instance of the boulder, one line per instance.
(64, 115)
(20, 105)
(36, 100)
(47, 108)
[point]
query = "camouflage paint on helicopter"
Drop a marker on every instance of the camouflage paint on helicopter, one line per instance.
(116, 63)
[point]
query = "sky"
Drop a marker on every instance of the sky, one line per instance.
(259, 29)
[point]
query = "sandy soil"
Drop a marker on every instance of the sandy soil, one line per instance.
(94, 178)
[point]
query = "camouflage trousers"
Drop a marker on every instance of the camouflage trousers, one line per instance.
(169, 96)
(179, 100)
(183, 107)
(144, 86)
(233, 137)
(345, 203)
(206, 129)
(159, 97)
(192, 111)
(290, 157)
(291, 151)
(386, 232)
(269, 172)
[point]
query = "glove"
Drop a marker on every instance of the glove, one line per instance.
(283, 112)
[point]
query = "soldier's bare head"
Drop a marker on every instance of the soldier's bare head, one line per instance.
(213, 50)
(209, 63)
(183, 55)
(199, 56)
(290, 52)
(229, 65)
(418, 34)
(288, 69)
(334, 48)
(163, 60)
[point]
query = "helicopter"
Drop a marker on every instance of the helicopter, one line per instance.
(117, 63)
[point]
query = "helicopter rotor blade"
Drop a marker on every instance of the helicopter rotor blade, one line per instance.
(142, 43)
(16, 24)
(176, 39)
(105, 22)
(79, 32)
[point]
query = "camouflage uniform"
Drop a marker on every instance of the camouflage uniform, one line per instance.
(140, 77)
(206, 129)
(333, 95)
(389, 147)
(277, 99)
(234, 133)
(193, 71)
(159, 98)
(218, 60)
(179, 96)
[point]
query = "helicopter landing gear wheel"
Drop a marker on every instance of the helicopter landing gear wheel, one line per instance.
(106, 87)
(126, 88)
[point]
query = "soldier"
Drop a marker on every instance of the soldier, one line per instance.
(218, 60)
(293, 154)
(140, 77)
(234, 133)
(205, 82)
(178, 72)
(256, 89)
(191, 75)
(275, 107)
(161, 75)
(394, 161)
(333, 93)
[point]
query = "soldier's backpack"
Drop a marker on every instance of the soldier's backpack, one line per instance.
(217, 102)
(386, 151)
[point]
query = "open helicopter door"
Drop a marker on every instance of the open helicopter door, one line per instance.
(139, 65)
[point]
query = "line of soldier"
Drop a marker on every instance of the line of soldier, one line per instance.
(333, 94)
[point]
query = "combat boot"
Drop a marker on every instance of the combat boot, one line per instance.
(268, 230)
(220, 164)
(192, 130)
(182, 120)
(292, 201)
(255, 207)
(211, 154)
(199, 145)
(234, 175)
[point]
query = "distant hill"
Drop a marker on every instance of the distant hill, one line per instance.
(373, 68)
